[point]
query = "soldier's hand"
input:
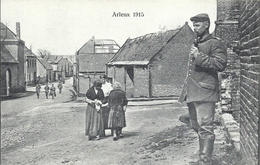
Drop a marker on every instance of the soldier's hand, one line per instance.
(194, 51)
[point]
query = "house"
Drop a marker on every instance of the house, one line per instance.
(62, 66)
(153, 65)
(53, 60)
(44, 71)
(66, 66)
(12, 61)
(30, 67)
(91, 62)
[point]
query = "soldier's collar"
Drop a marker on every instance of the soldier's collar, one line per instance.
(207, 38)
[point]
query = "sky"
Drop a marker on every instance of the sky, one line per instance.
(63, 26)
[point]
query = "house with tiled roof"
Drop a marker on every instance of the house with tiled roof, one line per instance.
(44, 71)
(30, 67)
(12, 61)
(62, 66)
(153, 65)
(91, 62)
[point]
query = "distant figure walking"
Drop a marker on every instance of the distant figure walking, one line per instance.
(46, 88)
(117, 104)
(53, 91)
(60, 86)
(38, 90)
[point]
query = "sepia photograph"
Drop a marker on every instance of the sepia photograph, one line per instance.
(110, 82)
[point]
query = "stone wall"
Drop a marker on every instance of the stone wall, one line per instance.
(249, 84)
(227, 28)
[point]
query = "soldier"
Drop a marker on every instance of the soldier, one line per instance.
(201, 88)
(60, 86)
(53, 91)
(38, 90)
(46, 88)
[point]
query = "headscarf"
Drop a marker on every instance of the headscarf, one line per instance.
(97, 83)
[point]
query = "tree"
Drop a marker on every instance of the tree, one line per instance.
(43, 53)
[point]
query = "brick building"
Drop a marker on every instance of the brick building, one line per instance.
(91, 62)
(30, 67)
(250, 76)
(44, 71)
(153, 65)
(12, 61)
(238, 24)
(227, 28)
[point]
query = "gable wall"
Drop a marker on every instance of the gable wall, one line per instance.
(87, 48)
(169, 66)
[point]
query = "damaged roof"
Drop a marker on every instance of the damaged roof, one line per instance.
(140, 50)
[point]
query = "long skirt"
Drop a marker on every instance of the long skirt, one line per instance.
(105, 113)
(116, 117)
(94, 122)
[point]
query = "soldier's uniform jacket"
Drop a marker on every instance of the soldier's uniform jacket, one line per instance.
(202, 82)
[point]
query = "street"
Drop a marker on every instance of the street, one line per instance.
(51, 131)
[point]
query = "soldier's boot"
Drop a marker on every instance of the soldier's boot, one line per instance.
(206, 149)
(185, 118)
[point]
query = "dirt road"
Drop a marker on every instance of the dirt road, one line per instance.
(45, 132)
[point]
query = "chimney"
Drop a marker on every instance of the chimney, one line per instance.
(18, 32)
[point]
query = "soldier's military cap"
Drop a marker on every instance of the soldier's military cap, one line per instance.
(200, 17)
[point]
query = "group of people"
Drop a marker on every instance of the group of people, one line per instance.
(106, 109)
(48, 90)
(207, 57)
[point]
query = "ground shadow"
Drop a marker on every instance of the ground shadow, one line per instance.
(17, 95)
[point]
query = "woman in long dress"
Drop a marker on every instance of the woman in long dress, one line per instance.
(117, 104)
(94, 120)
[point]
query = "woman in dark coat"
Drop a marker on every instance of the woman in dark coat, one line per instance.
(94, 121)
(117, 104)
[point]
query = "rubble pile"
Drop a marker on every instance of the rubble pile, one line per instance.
(230, 81)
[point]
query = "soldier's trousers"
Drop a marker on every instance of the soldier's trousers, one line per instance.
(201, 120)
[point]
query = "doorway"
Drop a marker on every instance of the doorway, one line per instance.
(8, 81)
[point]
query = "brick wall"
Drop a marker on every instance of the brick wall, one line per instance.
(228, 10)
(249, 84)
(141, 81)
(120, 76)
(169, 66)
(227, 28)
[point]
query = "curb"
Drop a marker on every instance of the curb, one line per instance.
(232, 130)
(145, 101)
(150, 103)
